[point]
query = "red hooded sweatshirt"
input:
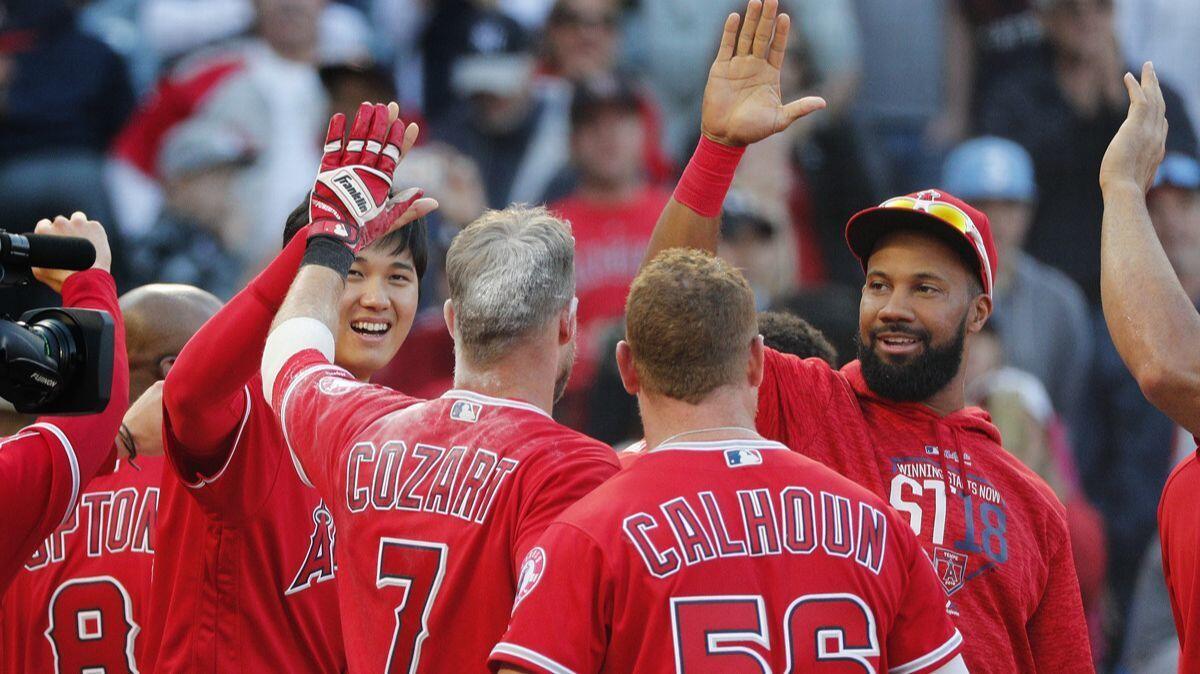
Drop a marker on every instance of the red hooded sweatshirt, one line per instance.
(995, 532)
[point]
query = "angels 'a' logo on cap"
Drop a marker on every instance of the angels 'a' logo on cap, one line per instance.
(532, 570)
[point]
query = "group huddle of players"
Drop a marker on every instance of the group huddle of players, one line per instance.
(780, 515)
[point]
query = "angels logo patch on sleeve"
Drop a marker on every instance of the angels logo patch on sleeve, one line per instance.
(532, 570)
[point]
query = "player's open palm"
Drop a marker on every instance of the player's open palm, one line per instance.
(1138, 147)
(742, 100)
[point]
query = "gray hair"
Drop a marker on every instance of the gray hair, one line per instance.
(510, 272)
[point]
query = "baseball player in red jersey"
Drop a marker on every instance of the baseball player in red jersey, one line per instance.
(80, 601)
(244, 570)
(720, 551)
(894, 420)
(1154, 326)
(45, 466)
(436, 502)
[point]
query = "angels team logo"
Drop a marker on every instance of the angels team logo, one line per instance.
(531, 573)
(951, 568)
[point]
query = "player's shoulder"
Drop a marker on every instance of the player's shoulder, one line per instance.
(1183, 480)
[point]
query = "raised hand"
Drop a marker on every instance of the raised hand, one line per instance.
(1135, 152)
(78, 225)
(351, 197)
(742, 101)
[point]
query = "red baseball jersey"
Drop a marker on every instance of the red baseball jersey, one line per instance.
(248, 585)
(1179, 532)
(995, 531)
(727, 556)
(79, 603)
(45, 466)
(436, 503)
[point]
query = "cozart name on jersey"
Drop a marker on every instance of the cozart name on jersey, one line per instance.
(692, 530)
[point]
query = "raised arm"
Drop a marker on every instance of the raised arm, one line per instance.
(1152, 320)
(742, 105)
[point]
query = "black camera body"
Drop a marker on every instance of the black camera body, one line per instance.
(57, 361)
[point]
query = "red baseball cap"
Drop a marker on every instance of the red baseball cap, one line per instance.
(945, 215)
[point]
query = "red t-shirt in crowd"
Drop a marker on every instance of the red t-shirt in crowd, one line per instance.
(727, 556)
(996, 533)
(1179, 533)
(79, 603)
(248, 584)
(45, 466)
(436, 504)
(610, 242)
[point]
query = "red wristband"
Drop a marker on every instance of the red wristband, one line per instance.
(706, 180)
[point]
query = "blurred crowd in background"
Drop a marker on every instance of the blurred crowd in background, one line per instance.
(191, 128)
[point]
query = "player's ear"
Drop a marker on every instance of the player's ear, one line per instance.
(757, 362)
(981, 310)
(629, 378)
(164, 366)
(567, 322)
(448, 315)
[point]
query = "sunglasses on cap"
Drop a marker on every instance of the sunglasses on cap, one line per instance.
(955, 217)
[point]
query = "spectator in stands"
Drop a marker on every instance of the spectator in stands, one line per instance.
(518, 138)
(754, 238)
(581, 42)
(1040, 314)
(612, 213)
(196, 239)
(1125, 445)
(1064, 109)
(985, 39)
(265, 85)
(63, 96)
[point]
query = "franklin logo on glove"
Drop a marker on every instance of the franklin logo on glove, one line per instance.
(354, 189)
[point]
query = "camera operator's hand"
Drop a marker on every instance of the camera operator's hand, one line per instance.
(78, 225)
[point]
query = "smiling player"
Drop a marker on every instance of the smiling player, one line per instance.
(244, 576)
(895, 420)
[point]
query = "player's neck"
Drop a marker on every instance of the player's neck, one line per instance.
(516, 377)
(724, 414)
(951, 398)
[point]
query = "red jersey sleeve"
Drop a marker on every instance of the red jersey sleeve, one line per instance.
(45, 466)
(321, 408)
(204, 395)
(558, 489)
(796, 394)
(1058, 633)
(563, 609)
(922, 638)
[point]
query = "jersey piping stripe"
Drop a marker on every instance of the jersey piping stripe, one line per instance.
(531, 657)
(719, 445)
(489, 400)
(929, 658)
(237, 439)
(71, 458)
(287, 396)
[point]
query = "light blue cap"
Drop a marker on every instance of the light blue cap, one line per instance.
(990, 168)
(1178, 170)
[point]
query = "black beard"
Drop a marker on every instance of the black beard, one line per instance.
(919, 379)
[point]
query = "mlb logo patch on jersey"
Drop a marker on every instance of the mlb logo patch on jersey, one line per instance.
(464, 410)
(742, 457)
(532, 570)
(951, 568)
